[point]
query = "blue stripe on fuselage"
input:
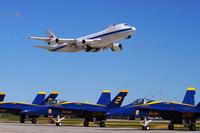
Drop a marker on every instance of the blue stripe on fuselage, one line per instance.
(109, 33)
(57, 48)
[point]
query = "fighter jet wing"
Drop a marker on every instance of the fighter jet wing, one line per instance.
(164, 109)
(78, 107)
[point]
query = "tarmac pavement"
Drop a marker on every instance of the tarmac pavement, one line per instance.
(47, 128)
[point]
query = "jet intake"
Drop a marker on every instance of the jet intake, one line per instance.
(56, 40)
(83, 41)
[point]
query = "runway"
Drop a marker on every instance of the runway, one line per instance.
(47, 128)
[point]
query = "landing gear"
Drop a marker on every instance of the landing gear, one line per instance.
(145, 127)
(171, 126)
(87, 48)
(192, 127)
(22, 119)
(33, 121)
(191, 124)
(128, 37)
(86, 123)
(58, 124)
(102, 124)
(95, 50)
(59, 119)
(145, 124)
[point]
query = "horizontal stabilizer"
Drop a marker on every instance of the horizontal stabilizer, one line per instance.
(39, 38)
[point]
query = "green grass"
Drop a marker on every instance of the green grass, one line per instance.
(109, 123)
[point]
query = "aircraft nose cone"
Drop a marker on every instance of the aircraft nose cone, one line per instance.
(133, 28)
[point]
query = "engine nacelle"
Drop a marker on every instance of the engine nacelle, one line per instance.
(57, 40)
(116, 47)
(83, 41)
(54, 41)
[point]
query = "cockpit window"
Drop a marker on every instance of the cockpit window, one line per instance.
(125, 24)
(141, 101)
(52, 102)
(110, 27)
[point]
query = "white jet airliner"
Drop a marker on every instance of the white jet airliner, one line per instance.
(105, 39)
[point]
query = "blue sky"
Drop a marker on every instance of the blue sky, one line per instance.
(160, 61)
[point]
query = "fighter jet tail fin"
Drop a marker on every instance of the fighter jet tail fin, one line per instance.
(189, 96)
(39, 98)
(198, 106)
(104, 99)
(2, 96)
(49, 99)
(117, 101)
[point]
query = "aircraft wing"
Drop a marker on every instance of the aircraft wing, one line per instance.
(165, 109)
(91, 42)
(67, 40)
(79, 107)
(59, 40)
(44, 47)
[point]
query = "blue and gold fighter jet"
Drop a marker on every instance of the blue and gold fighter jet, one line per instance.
(185, 113)
(175, 112)
(90, 112)
(17, 107)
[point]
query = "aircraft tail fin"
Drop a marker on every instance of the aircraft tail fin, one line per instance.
(198, 106)
(117, 101)
(2, 96)
(104, 99)
(50, 98)
(189, 96)
(39, 98)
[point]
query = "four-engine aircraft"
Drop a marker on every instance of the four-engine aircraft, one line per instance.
(108, 38)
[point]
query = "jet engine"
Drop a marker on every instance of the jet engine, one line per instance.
(116, 47)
